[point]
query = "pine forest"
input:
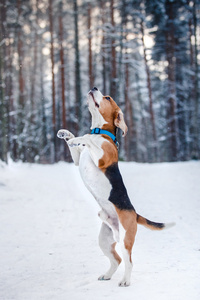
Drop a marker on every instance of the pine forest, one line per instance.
(144, 54)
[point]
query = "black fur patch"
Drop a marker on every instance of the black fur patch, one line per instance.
(118, 194)
(156, 225)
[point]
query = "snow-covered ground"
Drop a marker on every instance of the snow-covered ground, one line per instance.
(49, 234)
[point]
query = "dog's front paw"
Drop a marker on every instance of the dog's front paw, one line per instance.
(76, 142)
(104, 277)
(64, 134)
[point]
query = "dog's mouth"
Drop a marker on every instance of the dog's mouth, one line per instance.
(91, 94)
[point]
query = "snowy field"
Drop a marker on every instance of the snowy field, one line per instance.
(49, 234)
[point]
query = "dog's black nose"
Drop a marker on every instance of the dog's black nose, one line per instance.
(95, 88)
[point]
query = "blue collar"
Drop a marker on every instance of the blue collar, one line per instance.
(102, 131)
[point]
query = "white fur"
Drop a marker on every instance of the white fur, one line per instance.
(97, 119)
(96, 182)
(106, 241)
(128, 268)
(86, 152)
(126, 258)
(112, 223)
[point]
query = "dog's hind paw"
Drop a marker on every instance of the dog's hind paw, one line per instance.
(124, 283)
(104, 277)
(64, 134)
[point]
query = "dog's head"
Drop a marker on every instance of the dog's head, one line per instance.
(106, 114)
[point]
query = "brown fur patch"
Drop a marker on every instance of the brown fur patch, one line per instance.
(109, 110)
(110, 155)
(115, 254)
(128, 219)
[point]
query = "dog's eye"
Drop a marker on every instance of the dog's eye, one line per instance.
(108, 98)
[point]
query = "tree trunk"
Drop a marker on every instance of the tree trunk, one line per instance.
(20, 117)
(152, 117)
(78, 104)
(181, 110)
(35, 59)
(113, 54)
(143, 141)
(130, 139)
(171, 100)
(62, 64)
(191, 98)
(12, 118)
(3, 74)
(103, 52)
(91, 75)
(196, 143)
(53, 154)
(131, 147)
(62, 70)
(44, 154)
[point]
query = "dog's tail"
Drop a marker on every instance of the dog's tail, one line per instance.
(153, 225)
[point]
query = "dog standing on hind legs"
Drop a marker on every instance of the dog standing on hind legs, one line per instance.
(96, 154)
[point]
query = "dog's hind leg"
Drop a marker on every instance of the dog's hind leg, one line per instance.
(107, 245)
(111, 222)
(128, 220)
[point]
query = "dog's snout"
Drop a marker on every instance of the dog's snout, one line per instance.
(95, 88)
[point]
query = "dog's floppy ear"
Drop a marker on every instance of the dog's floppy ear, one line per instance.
(120, 123)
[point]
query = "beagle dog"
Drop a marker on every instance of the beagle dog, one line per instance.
(96, 154)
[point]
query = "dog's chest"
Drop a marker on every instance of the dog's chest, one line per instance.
(95, 180)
